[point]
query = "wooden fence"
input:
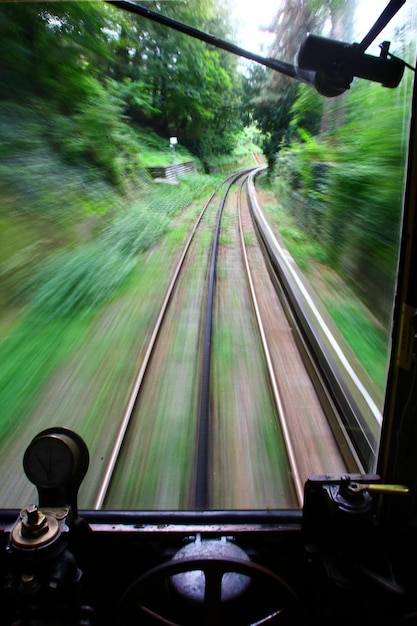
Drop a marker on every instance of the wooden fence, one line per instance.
(171, 173)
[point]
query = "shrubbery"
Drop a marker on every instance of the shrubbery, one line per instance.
(78, 279)
(344, 189)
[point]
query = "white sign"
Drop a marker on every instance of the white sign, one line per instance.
(173, 141)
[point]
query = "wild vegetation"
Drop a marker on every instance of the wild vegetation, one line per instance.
(89, 97)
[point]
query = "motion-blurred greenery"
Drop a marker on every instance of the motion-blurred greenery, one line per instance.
(88, 101)
(64, 290)
(344, 189)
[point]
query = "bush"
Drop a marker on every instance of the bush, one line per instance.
(99, 134)
(76, 281)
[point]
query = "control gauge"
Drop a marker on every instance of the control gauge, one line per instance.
(55, 461)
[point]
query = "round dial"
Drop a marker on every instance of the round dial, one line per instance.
(53, 458)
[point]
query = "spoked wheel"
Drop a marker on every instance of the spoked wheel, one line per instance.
(133, 605)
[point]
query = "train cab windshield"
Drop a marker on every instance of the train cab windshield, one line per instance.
(116, 129)
(208, 312)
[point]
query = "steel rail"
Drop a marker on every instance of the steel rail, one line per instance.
(201, 498)
(121, 433)
(127, 415)
(202, 486)
(296, 476)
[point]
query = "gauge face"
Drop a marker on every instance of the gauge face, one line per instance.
(49, 460)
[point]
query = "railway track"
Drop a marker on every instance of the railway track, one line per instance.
(211, 421)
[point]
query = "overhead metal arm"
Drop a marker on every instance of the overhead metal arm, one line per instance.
(326, 64)
(279, 66)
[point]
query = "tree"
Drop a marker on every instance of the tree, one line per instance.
(51, 50)
(82, 56)
(180, 86)
(274, 106)
(306, 111)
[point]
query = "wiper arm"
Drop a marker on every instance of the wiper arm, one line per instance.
(279, 66)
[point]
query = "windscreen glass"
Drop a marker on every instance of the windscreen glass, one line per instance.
(199, 243)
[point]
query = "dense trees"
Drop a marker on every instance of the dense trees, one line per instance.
(86, 92)
(182, 87)
(96, 65)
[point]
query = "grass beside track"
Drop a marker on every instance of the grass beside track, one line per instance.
(77, 370)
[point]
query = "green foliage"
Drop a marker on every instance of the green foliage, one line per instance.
(138, 97)
(272, 112)
(95, 64)
(51, 202)
(308, 153)
(169, 200)
(307, 110)
(67, 289)
(345, 189)
(135, 231)
(35, 178)
(99, 134)
(303, 248)
(369, 169)
(28, 357)
(367, 339)
(75, 32)
(187, 89)
(77, 280)
(302, 171)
